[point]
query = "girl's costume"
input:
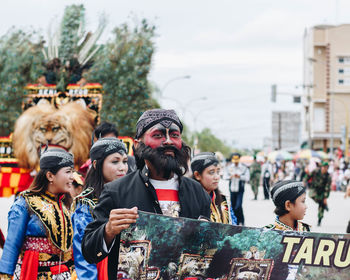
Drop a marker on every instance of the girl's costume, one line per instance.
(38, 244)
(82, 216)
(215, 215)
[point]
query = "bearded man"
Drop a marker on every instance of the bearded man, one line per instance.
(157, 186)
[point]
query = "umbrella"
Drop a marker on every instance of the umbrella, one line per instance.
(307, 154)
(279, 155)
(246, 160)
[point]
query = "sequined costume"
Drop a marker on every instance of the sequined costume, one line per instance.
(38, 244)
(82, 216)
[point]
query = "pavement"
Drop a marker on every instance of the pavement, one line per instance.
(259, 213)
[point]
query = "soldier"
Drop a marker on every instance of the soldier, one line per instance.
(255, 171)
(320, 186)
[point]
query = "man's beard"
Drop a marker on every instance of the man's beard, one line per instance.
(165, 165)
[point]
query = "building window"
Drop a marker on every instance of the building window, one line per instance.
(341, 71)
(344, 82)
(344, 59)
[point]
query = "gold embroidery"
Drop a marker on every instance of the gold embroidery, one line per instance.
(215, 213)
(56, 220)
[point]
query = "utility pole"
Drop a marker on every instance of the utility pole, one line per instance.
(279, 131)
(308, 97)
(331, 147)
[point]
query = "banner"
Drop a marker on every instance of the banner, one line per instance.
(161, 247)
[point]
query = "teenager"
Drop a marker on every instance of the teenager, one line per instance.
(40, 232)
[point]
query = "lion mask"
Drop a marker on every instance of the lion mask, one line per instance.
(70, 127)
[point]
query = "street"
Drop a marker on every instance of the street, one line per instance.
(259, 213)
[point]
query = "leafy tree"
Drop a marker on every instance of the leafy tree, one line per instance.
(122, 66)
(21, 61)
(208, 142)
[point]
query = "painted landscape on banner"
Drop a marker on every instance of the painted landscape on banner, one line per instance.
(161, 247)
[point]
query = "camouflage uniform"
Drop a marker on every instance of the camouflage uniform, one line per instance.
(255, 171)
(319, 189)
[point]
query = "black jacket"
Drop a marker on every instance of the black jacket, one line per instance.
(132, 190)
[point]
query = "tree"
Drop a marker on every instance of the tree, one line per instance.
(21, 61)
(208, 142)
(122, 66)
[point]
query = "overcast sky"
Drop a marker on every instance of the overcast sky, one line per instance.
(233, 51)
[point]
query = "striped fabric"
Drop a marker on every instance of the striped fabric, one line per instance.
(168, 197)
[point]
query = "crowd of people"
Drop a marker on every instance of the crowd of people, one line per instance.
(67, 225)
(318, 176)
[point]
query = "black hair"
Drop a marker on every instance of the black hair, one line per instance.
(105, 128)
(94, 178)
(40, 182)
(281, 210)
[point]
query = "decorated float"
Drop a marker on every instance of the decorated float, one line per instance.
(59, 119)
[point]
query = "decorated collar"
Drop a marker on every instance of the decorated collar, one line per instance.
(86, 197)
(281, 226)
(54, 216)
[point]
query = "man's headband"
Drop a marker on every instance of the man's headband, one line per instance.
(155, 116)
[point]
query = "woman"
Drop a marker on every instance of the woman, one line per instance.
(109, 162)
(206, 170)
(40, 232)
(289, 198)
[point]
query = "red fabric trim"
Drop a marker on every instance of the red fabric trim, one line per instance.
(2, 239)
(213, 196)
(30, 263)
(102, 269)
(167, 195)
(57, 269)
(5, 179)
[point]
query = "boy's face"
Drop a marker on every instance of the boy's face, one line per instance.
(298, 208)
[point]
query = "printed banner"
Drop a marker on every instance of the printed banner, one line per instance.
(160, 247)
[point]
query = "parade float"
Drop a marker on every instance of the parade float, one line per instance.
(55, 90)
(58, 119)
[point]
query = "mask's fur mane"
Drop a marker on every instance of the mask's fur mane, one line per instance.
(70, 126)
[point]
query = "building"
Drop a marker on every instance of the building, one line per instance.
(326, 84)
(286, 130)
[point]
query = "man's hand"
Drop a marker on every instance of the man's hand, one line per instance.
(119, 219)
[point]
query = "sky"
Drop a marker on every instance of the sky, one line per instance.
(232, 50)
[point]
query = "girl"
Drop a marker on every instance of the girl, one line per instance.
(289, 198)
(206, 170)
(40, 232)
(109, 162)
